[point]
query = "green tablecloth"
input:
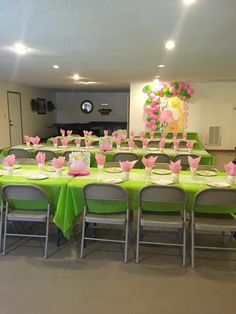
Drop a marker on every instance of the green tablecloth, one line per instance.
(206, 158)
(69, 210)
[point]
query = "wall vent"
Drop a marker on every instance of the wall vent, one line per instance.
(214, 136)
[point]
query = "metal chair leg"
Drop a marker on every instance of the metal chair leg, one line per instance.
(46, 239)
(82, 238)
(192, 241)
(138, 239)
(126, 237)
(184, 244)
(5, 232)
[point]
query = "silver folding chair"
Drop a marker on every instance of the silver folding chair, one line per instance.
(14, 195)
(26, 161)
(49, 155)
(161, 165)
(138, 143)
(124, 156)
(161, 158)
(162, 208)
(67, 154)
(153, 143)
(19, 152)
(99, 197)
(212, 211)
(184, 159)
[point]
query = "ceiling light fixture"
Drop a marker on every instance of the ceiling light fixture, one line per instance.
(56, 66)
(188, 2)
(20, 49)
(161, 66)
(87, 82)
(170, 44)
(157, 76)
(76, 77)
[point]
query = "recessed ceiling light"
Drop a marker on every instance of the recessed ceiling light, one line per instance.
(20, 49)
(188, 2)
(157, 76)
(56, 66)
(170, 44)
(161, 66)
(76, 77)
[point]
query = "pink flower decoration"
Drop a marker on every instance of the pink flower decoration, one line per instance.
(54, 140)
(149, 162)
(189, 144)
(40, 158)
(64, 141)
(100, 159)
(230, 169)
(58, 162)
(69, 132)
(126, 166)
(62, 132)
(27, 138)
(175, 167)
(194, 162)
(9, 160)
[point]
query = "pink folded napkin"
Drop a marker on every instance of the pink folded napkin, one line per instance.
(152, 134)
(58, 162)
(87, 133)
(144, 141)
(189, 144)
(142, 134)
(54, 140)
(113, 134)
(64, 141)
(184, 135)
(100, 159)
(69, 132)
(35, 140)
(126, 166)
(194, 162)
(131, 143)
(105, 147)
(162, 144)
(105, 133)
(118, 140)
(62, 132)
(40, 158)
(9, 160)
(149, 162)
(175, 167)
(175, 133)
(27, 138)
(164, 134)
(230, 169)
(87, 143)
(77, 141)
(176, 142)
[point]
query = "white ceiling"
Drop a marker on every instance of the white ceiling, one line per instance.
(115, 42)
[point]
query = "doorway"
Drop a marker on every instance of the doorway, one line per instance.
(15, 118)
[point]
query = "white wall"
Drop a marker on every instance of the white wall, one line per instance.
(68, 107)
(212, 104)
(33, 124)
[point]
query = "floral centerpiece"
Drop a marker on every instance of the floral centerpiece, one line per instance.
(105, 144)
(79, 163)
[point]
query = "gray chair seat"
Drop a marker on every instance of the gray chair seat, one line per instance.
(27, 215)
(214, 224)
(161, 221)
(116, 219)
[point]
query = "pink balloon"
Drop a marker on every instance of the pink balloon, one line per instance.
(173, 90)
(152, 95)
(181, 85)
(160, 87)
(186, 86)
(190, 91)
(154, 127)
(184, 97)
(147, 108)
(168, 84)
(148, 124)
(158, 107)
(152, 122)
(178, 91)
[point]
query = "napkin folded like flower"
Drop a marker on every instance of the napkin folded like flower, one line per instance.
(142, 134)
(100, 159)
(35, 140)
(175, 133)
(126, 166)
(40, 158)
(152, 134)
(162, 144)
(58, 162)
(175, 167)
(105, 133)
(113, 134)
(164, 134)
(149, 162)
(88, 133)
(69, 132)
(230, 168)
(176, 143)
(77, 141)
(189, 144)
(184, 135)
(64, 141)
(88, 143)
(118, 140)
(62, 132)
(131, 143)
(9, 160)
(54, 140)
(27, 138)
(194, 162)
(144, 141)
(105, 147)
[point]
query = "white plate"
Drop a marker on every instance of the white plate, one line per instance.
(38, 145)
(114, 181)
(14, 167)
(63, 146)
(113, 169)
(183, 149)
(51, 168)
(161, 171)
(163, 182)
(206, 173)
(37, 177)
(152, 148)
(219, 184)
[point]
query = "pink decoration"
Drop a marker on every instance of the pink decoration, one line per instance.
(113, 134)
(87, 144)
(62, 132)
(166, 115)
(118, 140)
(194, 162)
(126, 166)
(105, 147)
(149, 162)
(40, 158)
(54, 140)
(189, 144)
(77, 141)
(184, 135)
(144, 141)
(100, 159)
(175, 167)
(69, 132)
(27, 138)
(152, 134)
(162, 144)
(131, 143)
(64, 141)
(35, 140)
(9, 160)
(230, 169)
(164, 134)
(154, 127)
(105, 133)
(58, 162)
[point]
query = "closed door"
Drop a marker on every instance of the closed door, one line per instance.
(15, 119)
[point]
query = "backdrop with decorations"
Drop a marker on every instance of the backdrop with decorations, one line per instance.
(167, 106)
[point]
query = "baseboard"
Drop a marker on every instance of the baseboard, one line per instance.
(221, 150)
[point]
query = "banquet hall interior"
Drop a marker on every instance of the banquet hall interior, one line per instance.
(93, 94)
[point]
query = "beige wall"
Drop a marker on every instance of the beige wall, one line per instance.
(33, 124)
(212, 104)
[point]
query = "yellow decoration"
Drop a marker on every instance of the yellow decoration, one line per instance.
(176, 125)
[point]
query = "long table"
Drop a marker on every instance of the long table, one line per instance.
(206, 158)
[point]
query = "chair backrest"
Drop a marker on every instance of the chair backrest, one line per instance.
(26, 192)
(124, 156)
(207, 167)
(105, 198)
(111, 164)
(184, 158)
(161, 158)
(95, 143)
(138, 143)
(19, 152)
(182, 143)
(215, 200)
(153, 143)
(26, 161)
(161, 165)
(67, 154)
(153, 195)
(49, 154)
